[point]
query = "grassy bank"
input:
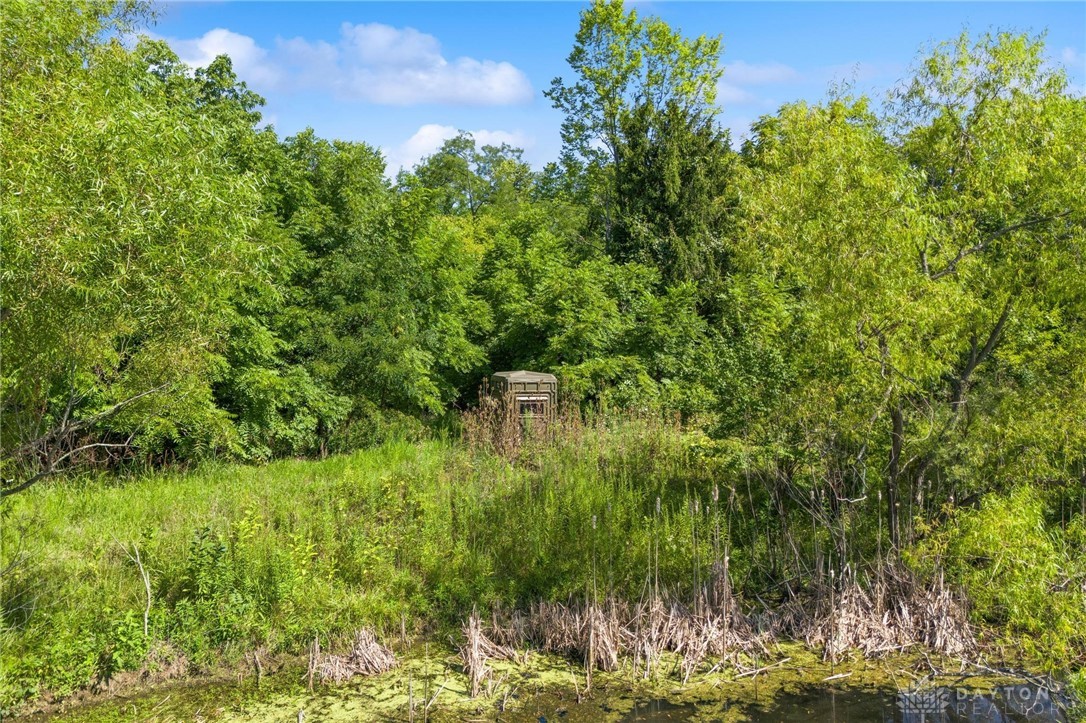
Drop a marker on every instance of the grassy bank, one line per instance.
(244, 557)
(168, 575)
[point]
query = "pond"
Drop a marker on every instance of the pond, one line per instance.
(429, 686)
(1003, 704)
(1021, 702)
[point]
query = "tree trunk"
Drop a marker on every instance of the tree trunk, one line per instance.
(896, 436)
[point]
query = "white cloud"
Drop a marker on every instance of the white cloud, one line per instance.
(729, 94)
(732, 90)
(1071, 56)
(369, 62)
(251, 62)
(401, 66)
(376, 44)
(428, 139)
(743, 73)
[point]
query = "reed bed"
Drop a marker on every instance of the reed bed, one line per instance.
(603, 634)
(895, 613)
(477, 650)
(366, 657)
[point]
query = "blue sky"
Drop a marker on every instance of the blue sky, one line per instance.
(404, 76)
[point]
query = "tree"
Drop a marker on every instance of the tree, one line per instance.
(381, 313)
(995, 135)
(930, 284)
(622, 62)
(671, 196)
(463, 178)
(125, 235)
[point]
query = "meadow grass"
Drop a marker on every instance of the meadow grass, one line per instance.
(410, 534)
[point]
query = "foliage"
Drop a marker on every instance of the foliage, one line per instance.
(463, 179)
(1022, 575)
(871, 321)
(125, 234)
(643, 99)
(917, 305)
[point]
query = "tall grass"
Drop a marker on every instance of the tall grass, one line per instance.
(246, 557)
(419, 533)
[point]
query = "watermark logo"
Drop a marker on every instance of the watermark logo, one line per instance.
(1029, 702)
(925, 702)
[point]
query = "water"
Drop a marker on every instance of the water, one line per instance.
(1018, 703)
(658, 711)
(383, 699)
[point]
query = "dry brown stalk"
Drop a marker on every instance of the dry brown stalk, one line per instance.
(602, 634)
(477, 649)
(897, 613)
(366, 657)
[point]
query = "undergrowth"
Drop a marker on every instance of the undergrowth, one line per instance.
(418, 533)
(410, 532)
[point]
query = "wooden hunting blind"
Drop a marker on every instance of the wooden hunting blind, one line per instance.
(534, 394)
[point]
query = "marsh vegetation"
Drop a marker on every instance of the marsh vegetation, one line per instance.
(825, 390)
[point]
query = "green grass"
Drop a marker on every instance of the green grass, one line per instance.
(240, 557)
(418, 533)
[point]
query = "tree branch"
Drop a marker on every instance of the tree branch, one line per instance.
(65, 428)
(977, 357)
(952, 266)
(62, 434)
(53, 465)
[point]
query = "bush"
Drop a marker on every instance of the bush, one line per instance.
(1025, 579)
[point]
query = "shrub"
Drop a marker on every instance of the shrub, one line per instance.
(1024, 578)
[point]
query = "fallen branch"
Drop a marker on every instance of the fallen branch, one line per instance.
(762, 670)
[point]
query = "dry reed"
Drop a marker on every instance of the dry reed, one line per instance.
(477, 649)
(366, 657)
(602, 634)
(894, 614)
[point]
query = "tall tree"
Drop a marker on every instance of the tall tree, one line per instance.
(930, 279)
(621, 62)
(673, 194)
(463, 178)
(381, 313)
(125, 234)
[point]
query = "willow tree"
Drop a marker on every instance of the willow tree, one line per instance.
(124, 234)
(924, 271)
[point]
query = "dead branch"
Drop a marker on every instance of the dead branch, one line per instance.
(51, 450)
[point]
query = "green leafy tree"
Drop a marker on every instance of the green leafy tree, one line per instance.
(621, 63)
(562, 305)
(926, 286)
(380, 313)
(125, 235)
(463, 178)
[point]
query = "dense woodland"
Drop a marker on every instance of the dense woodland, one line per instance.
(870, 317)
